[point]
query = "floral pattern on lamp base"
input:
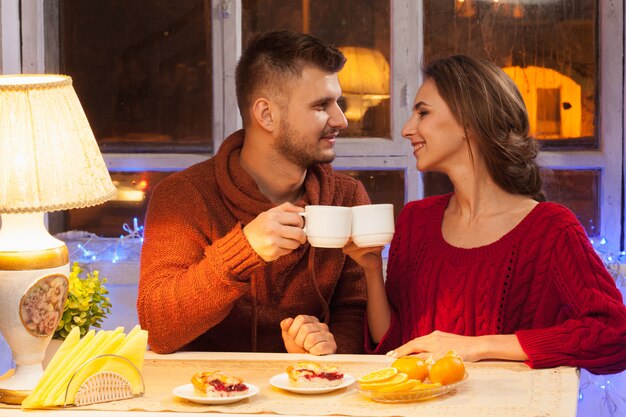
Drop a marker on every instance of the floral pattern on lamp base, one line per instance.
(41, 306)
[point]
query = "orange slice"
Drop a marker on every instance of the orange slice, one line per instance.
(407, 385)
(378, 375)
(394, 380)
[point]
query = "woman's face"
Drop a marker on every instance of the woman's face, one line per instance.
(438, 140)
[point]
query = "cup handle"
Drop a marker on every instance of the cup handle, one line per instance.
(303, 215)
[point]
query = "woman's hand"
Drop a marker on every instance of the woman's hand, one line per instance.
(378, 310)
(437, 344)
(470, 348)
(368, 258)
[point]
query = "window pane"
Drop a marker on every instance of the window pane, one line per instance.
(578, 191)
(133, 193)
(436, 183)
(548, 47)
(575, 189)
(361, 30)
(142, 70)
(382, 186)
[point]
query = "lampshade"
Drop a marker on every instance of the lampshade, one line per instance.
(364, 80)
(49, 158)
(366, 72)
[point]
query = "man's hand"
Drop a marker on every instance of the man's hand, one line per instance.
(276, 232)
(305, 334)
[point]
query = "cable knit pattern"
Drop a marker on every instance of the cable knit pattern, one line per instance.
(542, 281)
(197, 265)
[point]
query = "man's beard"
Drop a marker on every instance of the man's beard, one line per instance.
(295, 149)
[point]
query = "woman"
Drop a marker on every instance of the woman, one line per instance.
(491, 270)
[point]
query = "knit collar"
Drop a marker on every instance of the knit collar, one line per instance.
(241, 194)
(494, 250)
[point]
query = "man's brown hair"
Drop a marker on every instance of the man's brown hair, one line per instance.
(271, 60)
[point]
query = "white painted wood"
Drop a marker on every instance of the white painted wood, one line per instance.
(572, 159)
(52, 50)
(33, 39)
(410, 43)
(370, 162)
(11, 56)
(611, 121)
(217, 71)
(38, 34)
(131, 162)
(227, 38)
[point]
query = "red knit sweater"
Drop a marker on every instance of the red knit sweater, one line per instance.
(202, 286)
(542, 282)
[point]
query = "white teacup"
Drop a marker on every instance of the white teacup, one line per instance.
(327, 226)
(372, 225)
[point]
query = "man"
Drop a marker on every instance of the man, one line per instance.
(225, 264)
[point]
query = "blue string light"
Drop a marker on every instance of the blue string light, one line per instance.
(87, 247)
(598, 395)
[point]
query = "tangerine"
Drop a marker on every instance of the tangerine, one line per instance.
(413, 366)
(447, 370)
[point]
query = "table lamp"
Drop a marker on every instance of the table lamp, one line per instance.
(49, 160)
(364, 80)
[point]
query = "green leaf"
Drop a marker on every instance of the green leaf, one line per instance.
(86, 304)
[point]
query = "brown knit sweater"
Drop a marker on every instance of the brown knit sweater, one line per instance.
(202, 287)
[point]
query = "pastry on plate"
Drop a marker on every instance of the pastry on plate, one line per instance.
(306, 374)
(215, 384)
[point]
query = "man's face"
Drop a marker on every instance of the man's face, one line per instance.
(311, 118)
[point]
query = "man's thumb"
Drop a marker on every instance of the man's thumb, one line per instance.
(285, 323)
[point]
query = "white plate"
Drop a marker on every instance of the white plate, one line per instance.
(282, 381)
(186, 391)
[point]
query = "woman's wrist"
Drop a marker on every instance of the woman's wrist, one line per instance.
(374, 273)
(501, 346)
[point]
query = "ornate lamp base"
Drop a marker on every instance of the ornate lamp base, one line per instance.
(8, 396)
(33, 289)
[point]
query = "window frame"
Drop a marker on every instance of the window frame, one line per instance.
(39, 52)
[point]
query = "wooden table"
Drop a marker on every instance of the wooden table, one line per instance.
(493, 389)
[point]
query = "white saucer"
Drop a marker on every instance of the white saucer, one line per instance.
(186, 391)
(282, 381)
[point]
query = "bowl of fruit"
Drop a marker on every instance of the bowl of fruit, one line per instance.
(410, 378)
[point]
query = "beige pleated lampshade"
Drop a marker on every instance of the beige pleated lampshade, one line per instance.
(49, 158)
